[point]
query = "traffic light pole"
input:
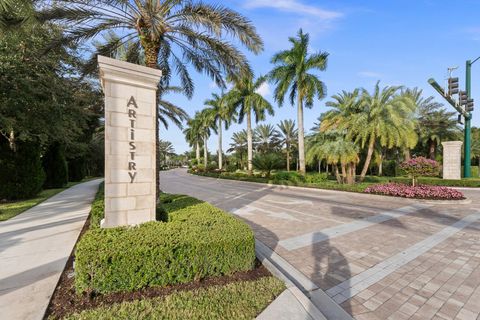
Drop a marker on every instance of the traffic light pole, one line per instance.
(467, 172)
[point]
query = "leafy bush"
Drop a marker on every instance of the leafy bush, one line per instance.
(55, 166)
(267, 162)
(292, 176)
(231, 167)
(97, 212)
(418, 192)
(470, 182)
(389, 168)
(198, 241)
(420, 166)
(77, 169)
(316, 177)
(21, 171)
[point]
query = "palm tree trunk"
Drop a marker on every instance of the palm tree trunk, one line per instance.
(301, 139)
(319, 166)
(368, 158)
(432, 149)
(220, 156)
(205, 152)
(249, 143)
(344, 173)
(337, 174)
(288, 159)
(406, 154)
(197, 151)
(380, 166)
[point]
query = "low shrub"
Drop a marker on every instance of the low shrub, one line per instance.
(292, 176)
(418, 192)
(316, 177)
(468, 183)
(199, 240)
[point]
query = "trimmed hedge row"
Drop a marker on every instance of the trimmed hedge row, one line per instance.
(199, 240)
(470, 182)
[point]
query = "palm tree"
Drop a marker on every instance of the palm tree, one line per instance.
(206, 121)
(435, 124)
(15, 13)
(266, 138)
(291, 75)
(383, 117)
(239, 145)
(165, 149)
(287, 135)
(171, 35)
(224, 115)
(335, 148)
(193, 136)
(245, 98)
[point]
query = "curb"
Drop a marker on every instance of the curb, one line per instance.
(317, 304)
(280, 187)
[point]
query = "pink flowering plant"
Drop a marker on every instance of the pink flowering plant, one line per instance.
(420, 166)
(417, 192)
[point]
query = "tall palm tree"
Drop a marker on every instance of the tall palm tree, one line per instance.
(224, 115)
(239, 145)
(266, 138)
(206, 121)
(171, 34)
(245, 98)
(193, 136)
(291, 75)
(287, 134)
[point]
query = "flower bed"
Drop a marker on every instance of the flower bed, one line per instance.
(417, 192)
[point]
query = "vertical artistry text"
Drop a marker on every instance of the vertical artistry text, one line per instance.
(132, 115)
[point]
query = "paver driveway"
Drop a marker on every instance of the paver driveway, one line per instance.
(377, 257)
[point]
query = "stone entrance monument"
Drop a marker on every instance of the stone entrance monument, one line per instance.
(130, 106)
(452, 158)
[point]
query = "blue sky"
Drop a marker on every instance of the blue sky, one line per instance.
(396, 42)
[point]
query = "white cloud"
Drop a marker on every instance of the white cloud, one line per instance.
(369, 74)
(294, 6)
(264, 89)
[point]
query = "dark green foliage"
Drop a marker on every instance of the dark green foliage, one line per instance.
(471, 182)
(267, 162)
(389, 168)
(77, 169)
(289, 176)
(55, 166)
(198, 241)
(21, 172)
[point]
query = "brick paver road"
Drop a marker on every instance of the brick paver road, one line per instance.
(377, 257)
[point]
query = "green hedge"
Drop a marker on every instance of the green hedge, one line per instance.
(199, 240)
(470, 182)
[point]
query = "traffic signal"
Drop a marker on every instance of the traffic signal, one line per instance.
(469, 105)
(452, 86)
(460, 119)
(463, 98)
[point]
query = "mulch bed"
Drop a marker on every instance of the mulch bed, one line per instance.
(66, 301)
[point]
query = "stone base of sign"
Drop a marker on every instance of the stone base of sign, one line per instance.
(130, 106)
(452, 158)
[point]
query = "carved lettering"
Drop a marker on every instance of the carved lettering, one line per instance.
(132, 115)
(132, 102)
(132, 176)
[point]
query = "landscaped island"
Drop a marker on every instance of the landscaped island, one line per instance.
(196, 261)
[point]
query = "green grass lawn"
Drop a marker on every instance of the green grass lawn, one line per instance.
(11, 209)
(238, 300)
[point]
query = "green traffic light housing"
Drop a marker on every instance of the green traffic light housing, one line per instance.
(452, 86)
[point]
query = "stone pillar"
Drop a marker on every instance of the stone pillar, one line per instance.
(130, 104)
(452, 158)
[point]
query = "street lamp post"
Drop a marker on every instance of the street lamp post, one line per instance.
(467, 172)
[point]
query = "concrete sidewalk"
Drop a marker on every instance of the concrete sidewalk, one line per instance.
(34, 248)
